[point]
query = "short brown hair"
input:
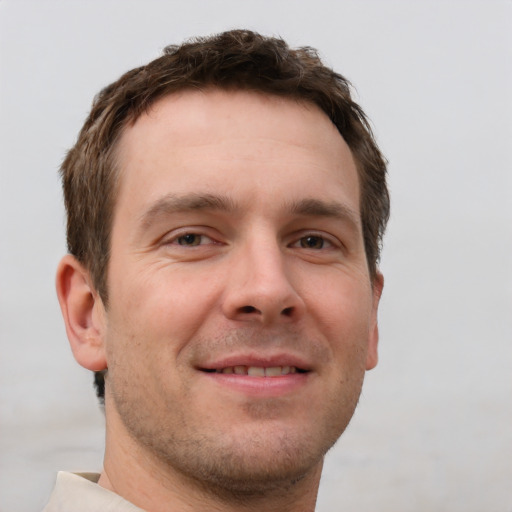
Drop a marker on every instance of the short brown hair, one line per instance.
(237, 59)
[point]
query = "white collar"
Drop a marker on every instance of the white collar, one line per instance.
(79, 492)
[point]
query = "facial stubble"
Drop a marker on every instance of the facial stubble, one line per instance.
(263, 454)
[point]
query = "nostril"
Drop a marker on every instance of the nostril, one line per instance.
(287, 311)
(248, 309)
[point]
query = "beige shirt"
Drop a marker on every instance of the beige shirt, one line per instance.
(79, 492)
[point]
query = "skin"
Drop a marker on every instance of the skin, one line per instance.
(236, 241)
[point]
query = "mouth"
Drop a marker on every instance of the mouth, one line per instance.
(258, 376)
(256, 371)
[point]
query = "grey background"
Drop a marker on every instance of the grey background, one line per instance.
(433, 431)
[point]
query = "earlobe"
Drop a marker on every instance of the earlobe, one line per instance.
(83, 313)
(372, 356)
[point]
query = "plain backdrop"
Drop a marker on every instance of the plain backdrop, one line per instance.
(433, 430)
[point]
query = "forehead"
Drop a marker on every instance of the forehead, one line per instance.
(221, 139)
(190, 115)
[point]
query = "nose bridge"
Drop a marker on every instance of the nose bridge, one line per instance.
(266, 267)
(261, 286)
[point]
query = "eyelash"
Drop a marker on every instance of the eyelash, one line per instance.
(315, 237)
(175, 240)
(301, 242)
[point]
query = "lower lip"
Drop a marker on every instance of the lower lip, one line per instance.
(260, 386)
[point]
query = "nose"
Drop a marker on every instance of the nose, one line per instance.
(260, 286)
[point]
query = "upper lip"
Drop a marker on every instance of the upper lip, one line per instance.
(258, 360)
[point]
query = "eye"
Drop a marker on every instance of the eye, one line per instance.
(190, 239)
(312, 242)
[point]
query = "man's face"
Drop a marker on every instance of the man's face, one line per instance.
(241, 314)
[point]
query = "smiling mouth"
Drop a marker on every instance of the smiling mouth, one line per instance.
(256, 371)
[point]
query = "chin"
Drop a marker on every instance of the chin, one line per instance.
(251, 461)
(256, 468)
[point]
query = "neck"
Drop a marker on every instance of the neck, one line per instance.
(136, 474)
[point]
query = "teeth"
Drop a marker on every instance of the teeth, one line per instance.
(258, 371)
(274, 371)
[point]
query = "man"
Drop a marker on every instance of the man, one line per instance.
(225, 207)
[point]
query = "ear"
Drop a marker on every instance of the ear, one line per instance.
(372, 356)
(83, 313)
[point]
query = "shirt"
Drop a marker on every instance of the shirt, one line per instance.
(79, 492)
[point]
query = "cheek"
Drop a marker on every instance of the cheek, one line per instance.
(344, 306)
(161, 311)
(342, 314)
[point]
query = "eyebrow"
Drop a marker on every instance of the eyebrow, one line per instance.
(320, 208)
(170, 204)
(308, 207)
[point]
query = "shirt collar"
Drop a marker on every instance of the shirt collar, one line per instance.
(81, 493)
